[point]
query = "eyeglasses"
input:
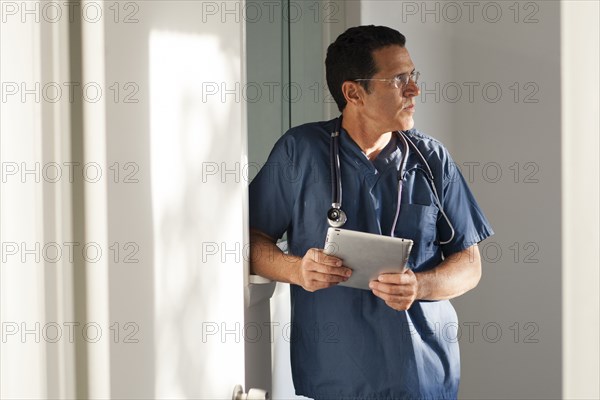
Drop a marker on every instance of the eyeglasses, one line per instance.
(399, 81)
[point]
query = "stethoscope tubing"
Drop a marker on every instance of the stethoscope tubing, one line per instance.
(336, 179)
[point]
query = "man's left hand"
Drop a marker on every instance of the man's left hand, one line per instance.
(398, 291)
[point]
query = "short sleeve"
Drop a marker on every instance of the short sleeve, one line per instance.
(272, 192)
(461, 208)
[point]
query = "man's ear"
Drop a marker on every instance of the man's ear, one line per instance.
(353, 92)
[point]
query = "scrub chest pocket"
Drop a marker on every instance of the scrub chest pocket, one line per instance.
(418, 222)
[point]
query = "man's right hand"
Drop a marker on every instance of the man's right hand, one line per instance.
(316, 270)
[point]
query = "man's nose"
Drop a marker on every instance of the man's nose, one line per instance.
(411, 89)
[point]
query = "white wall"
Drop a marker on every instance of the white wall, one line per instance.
(580, 198)
(517, 135)
(22, 355)
(36, 291)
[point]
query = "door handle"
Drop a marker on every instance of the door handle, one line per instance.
(253, 394)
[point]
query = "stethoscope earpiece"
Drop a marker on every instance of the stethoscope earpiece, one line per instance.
(336, 217)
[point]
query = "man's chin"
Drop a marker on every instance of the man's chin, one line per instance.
(406, 124)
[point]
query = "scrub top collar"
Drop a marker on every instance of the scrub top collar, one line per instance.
(389, 157)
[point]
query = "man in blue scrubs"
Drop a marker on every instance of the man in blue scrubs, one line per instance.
(400, 339)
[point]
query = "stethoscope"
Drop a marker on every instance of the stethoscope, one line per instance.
(336, 217)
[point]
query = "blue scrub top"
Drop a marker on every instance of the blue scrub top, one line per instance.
(347, 343)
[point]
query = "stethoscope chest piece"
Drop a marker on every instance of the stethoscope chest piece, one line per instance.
(336, 217)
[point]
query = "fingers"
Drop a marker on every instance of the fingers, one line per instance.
(403, 278)
(393, 290)
(316, 280)
(325, 277)
(325, 264)
(320, 257)
(320, 270)
(397, 290)
(395, 283)
(341, 272)
(396, 301)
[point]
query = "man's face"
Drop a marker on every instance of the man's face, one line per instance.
(386, 107)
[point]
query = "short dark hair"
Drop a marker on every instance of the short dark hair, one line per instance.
(351, 56)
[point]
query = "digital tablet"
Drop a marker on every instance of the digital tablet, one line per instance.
(368, 255)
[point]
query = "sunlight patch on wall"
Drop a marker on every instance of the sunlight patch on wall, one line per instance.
(197, 214)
